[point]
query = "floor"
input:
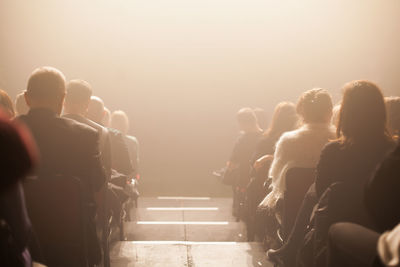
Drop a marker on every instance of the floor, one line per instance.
(190, 232)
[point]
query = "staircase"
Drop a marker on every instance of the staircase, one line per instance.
(181, 231)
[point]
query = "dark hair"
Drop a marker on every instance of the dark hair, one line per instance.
(314, 105)
(393, 114)
(362, 115)
(284, 119)
(6, 103)
(78, 92)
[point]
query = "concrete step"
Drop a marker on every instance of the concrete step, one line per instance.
(176, 254)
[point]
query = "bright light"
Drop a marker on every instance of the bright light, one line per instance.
(180, 243)
(181, 223)
(184, 198)
(185, 209)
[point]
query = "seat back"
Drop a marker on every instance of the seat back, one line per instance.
(298, 181)
(55, 207)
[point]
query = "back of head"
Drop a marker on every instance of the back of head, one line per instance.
(6, 104)
(78, 96)
(393, 113)
(284, 119)
(46, 88)
(20, 104)
(362, 114)
(120, 121)
(247, 119)
(315, 106)
(96, 109)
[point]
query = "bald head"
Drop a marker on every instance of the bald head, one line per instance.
(96, 109)
(46, 89)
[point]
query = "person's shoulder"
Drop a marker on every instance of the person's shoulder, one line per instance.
(132, 139)
(76, 127)
(333, 146)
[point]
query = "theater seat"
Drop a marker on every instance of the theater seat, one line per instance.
(55, 208)
(298, 181)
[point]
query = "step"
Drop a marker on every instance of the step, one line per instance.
(184, 253)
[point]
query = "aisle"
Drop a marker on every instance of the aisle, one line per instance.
(186, 232)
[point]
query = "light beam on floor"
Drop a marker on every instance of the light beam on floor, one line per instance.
(181, 223)
(183, 209)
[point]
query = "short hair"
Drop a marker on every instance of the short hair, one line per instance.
(314, 105)
(393, 114)
(46, 82)
(6, 103)
(78, 92)
(96, 109)
(362, 114)
(120, 121)
(20, 104)
(246, 116)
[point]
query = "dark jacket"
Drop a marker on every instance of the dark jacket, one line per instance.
(66, 147)
(104, 142)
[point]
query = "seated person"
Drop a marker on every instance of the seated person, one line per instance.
(355, 245)
(65, 146)
(120, 122)
(17, 157)
(298, 148)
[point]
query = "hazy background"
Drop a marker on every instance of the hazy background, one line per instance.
(182, 68)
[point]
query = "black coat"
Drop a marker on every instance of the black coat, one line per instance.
(66, 147)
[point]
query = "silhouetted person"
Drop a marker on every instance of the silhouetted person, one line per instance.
(284, 119)
(66, 147)
(76, 106)
(120, 160)
(120, 121)
(17, 159)
(239, 162)
(20, 104)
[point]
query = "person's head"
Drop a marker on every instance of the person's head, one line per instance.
(261, 117)
(315, 106)
(96, 109)
(247, 120)
(6, 104)
(46, 89)
(393, 114)
(107, 117)
(284, 119)
(20, 104)
(362, 115)
(120, 121)
(78, 97)
(335, 114)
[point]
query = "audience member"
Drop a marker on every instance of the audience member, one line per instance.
(120, 160)
(17, 157)
(239, 164)
(298, 148)
(120, 121)
(284, 119)
(66, 147)
(107, 117)
(20, 104)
